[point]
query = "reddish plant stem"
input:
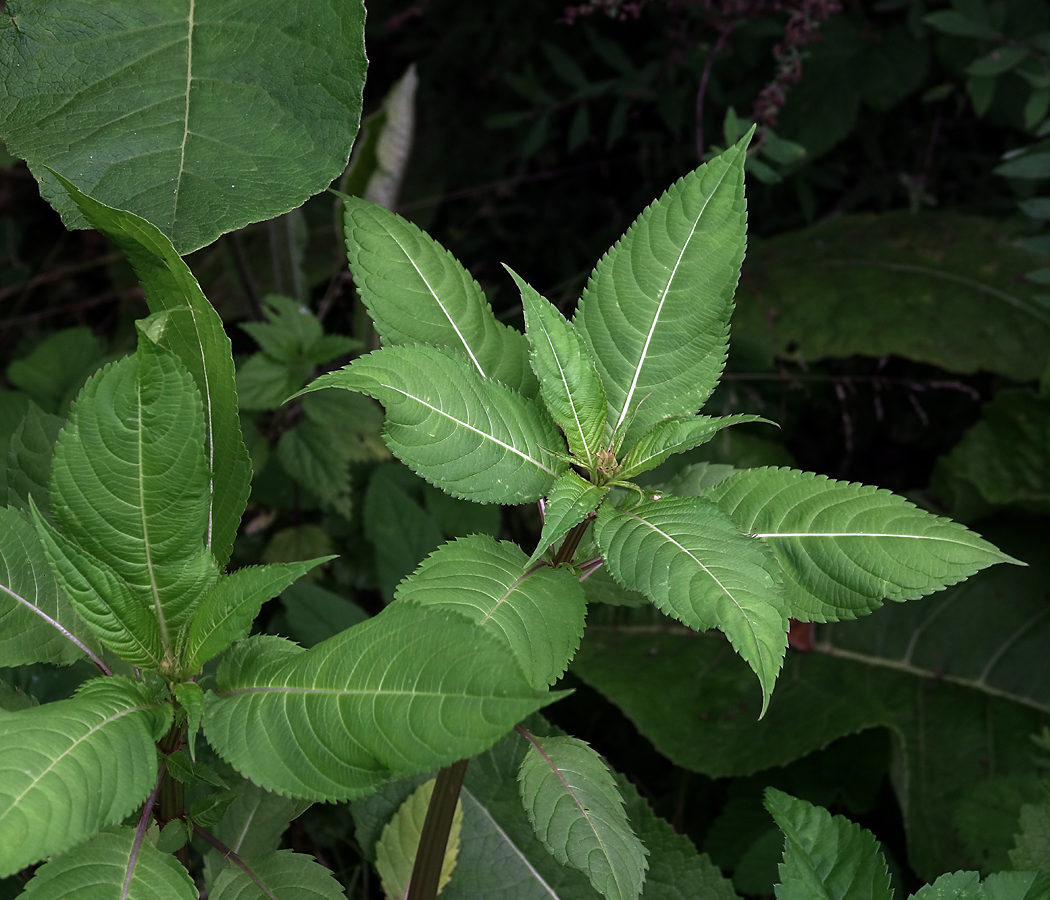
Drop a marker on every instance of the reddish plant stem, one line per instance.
(140, 832)
(232, 857)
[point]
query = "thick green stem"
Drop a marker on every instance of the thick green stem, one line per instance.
(426, 873)
(171, 802)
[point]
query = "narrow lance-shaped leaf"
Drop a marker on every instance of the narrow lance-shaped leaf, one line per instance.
(691, 560)
(416, 290)
(393, 696)
(655, 312)
(470, 436)
(112, 864)
(71, 767)
(569, 382)
(845, 547)
(538, 612)
(194, 332)
(570, 501)
(676, 435)
(37, 622)
(191, 699)
(577, 813)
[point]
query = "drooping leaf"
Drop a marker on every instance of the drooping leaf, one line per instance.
(194, 332)
(70, 767)
(845, 547)
(110, 865)
(397, 847)
(570, 501)
(826, 857)
(416, 291)
(392, 696)
(655, 312)
(690, 559)
(471, 436)
(676, 435)
(129, 483)
(569, 381)
(227, 610)
(37, 622)
(29, 458)
(285, 874)
(537, 612)
(577, 813)
(140, 114)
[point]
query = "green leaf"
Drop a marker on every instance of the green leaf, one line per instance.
(1032, 842)
(287, 875)
(37, 622)
(157, 138)
(315, 614)
(676, 435)
(538, 612)
(655, 312)
(569, 381)
(569, 502)
(1000, 60)
(691, 560)
(952, 22)
(392, 696)
(29, 458)
(314, 456)
(577, 813)
(288, 332)
(397, 847)
(952, 886)
(194, 332)
(70, 767)
(845, 547)
(191, 699)
(129, 483)
(57, 367)
(825, 857)
(1031, 165)
(470, 436)
(898, 283)
(227, 610)
(416, 291)
(1017, 886)
(111, 865)
(263, 383)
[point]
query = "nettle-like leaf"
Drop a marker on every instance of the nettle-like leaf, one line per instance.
(577, 813)
(194, 332)
(655, 312)
(284, 874)
(999, 886)
(826, 857)
(227, 610)
(416, 291)
(29, 457)
(471, 436)
(397, 847)
(569, 381)
(539, 612)
(845, 547)
(676, 435)
(37, 622)
(71, 767)
(570, 501)
(693, 562)
(112, 864)
(293, 334)
(407, 691)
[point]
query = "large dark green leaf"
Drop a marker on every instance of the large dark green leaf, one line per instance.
(157, 108)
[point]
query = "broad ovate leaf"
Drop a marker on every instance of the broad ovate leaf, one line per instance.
(569, 382)
(284, 874)
(194, 332)
(844, 547)
(112, 864)
(655, 312)
(37, 622)
(471, 436)
(69, 768)
(29, 457)
(416, 291)
(571, 500)
(227, 610)
(676, 435)
(825, 857)
(397, 846)
(538, 612)
(577, 813)
(692, 561)
(407, 691)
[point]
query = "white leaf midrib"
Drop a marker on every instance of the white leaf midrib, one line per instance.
(186, 113)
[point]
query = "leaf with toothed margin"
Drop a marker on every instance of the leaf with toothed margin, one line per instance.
(470, 436)
(285, 874)
(845, 547)
(676, 435)
(570, 501)
(692, 561)
(410, 690)
(655, 312)
(538, 612)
